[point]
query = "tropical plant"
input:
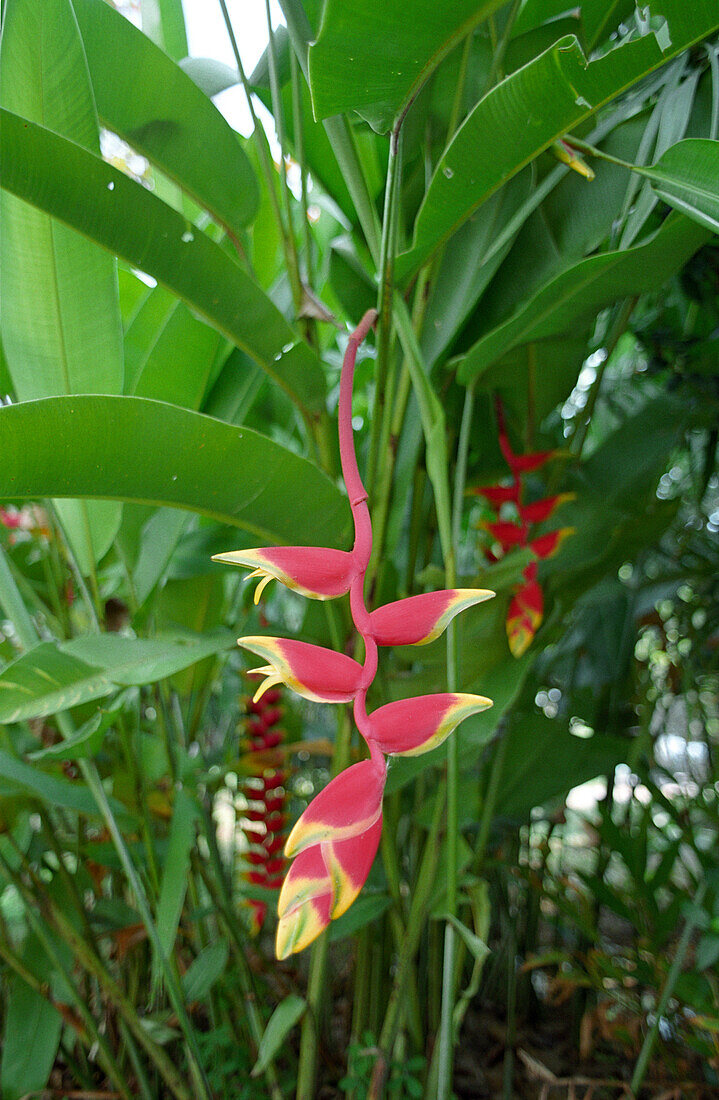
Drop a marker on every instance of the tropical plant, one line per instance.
(174, 314)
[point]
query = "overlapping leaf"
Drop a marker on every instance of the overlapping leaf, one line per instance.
(108, 447)
(78, 188)
(539, 103)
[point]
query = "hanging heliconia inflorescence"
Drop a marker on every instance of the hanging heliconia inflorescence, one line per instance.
(264, 789)
(335, 840)
(526, 608)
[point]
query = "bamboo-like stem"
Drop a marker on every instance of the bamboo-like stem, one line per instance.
(299, 143)
(650, 1038)
(293, 267)
(446, 1030)
(418, 911)
(88, 1032)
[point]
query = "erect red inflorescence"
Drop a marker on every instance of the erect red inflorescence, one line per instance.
(335, 840)
(264, 788)
(526, 608)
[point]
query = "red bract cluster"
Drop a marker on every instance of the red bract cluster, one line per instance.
(264, 789)
(335, 840)
(526, 608)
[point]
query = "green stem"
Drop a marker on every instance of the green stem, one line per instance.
(672, 977)
(293, 267)
(446, 1030)
(417, 914)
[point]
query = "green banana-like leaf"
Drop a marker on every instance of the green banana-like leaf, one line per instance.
(536, 105)
(687, 177)
(56, 676)
(376, 61)
(132, 448)
(164, 22)
(59, 309)
(80, 189)
(577, 294)
(145, 97)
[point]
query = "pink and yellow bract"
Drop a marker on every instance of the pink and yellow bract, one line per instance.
(335, 840)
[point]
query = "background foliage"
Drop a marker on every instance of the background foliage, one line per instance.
(172, 320)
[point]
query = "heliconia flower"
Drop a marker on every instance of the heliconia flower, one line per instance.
(548, 544)
(321, 885)
(264, 787)
(348, 805)
(497, 495)
(540, 510)
(524, 616)
(523, 464)
(410, 727)
(508, 535)
(312, 671)
(335, 840)
(568, 155)
(418, 620)
(314, 571)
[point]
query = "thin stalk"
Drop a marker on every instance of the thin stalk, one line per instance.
(672, 977)
(93, 781)
(317, 979)
(621, 320)
(31, 899)
(298, 125)
(14, 607)
(388, 249)
(91, 601)
(446, 1029)
(258, 133)
(417, 914)
(219, 891)
(293, 267)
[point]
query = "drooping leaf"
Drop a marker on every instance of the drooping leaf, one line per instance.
(147, 99)
(375, 62)
(539, 103)
(30, 1040)
(203, 971)
(59, 309)
(16, 777)
(687, 177)
(55, 676)
(104, 204)
(575, 296)
(163, 21)
(175, 874)
(279, 1025)
(108, 447)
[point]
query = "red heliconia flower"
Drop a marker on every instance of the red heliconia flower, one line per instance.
(264, 789)
(312, 671)
(334, 842)
(418, 620)
(526, 608)
(313, 571)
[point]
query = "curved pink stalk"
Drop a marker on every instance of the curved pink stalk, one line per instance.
(335, 840)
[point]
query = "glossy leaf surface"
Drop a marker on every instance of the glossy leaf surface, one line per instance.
(107, 447)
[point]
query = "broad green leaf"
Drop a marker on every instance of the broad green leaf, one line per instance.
(530, 773)
(203, 971)
(573, 298)
(127, 448)
(164, 22)
(175, 874)
(687, 177)
(79, 188)
(83, 744)
(30, 1040)
(375, 61)
(145, 97)
(210, 75)
(539, 103)
(16, 777)
(59, 308)
(159, 538)
(55, 676)
(367, 908)
(283, 1019)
